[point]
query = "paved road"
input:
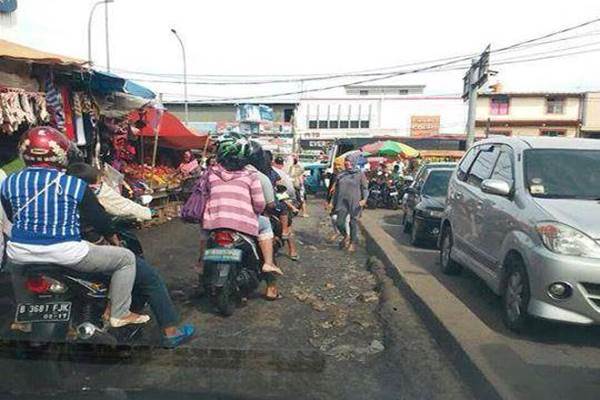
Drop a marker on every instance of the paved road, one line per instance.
(557, 360)
(343, 331)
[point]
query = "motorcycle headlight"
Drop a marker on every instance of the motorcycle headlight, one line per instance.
(563, 239)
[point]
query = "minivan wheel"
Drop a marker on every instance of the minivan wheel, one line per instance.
(515, 298)
(448, 266)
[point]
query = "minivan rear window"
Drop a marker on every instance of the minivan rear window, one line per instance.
(560, 173)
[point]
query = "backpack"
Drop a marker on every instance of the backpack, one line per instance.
(193, 209)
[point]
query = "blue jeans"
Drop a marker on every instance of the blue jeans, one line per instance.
(150, 288)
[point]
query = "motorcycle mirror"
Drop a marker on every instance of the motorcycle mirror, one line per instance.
(146, 199)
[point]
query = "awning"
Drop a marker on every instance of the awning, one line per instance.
(19, 52)
(105, 82)
(172, 132)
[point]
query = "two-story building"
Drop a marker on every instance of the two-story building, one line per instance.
(530, 114)
(591, 116)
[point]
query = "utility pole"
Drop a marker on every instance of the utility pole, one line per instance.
(473, 80)
(106, 30)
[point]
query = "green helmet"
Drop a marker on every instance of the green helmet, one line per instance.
(233, 151)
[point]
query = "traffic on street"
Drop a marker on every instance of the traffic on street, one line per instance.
(335, 200)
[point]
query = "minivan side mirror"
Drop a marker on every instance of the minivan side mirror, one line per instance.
(496, 186)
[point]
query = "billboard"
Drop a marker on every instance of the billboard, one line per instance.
(424, 125)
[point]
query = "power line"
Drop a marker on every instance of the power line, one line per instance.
(309, 77)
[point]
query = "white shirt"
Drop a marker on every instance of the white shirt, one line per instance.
(66, 253)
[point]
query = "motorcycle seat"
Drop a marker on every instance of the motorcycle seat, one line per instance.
(61, 269)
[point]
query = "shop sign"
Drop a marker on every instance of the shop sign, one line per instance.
(424, 125)
(8, 6)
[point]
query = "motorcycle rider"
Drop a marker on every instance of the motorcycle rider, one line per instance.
(236, 199)
(149, 287)
(256, 164)
(278, 177)
(45, 206)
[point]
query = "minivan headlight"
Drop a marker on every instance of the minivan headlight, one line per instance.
(563, 239)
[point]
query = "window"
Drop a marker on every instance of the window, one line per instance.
(312, 124)
(555, 105)
(333, 124)
(403, 91)
(504, 169)
(364, 124)
(465, 163)
(553, 132)
(354, 124)
(499, 105)
(343, 124)
(500, 133)
(322, 124)
(482, 167)
(363, 92)
(288, 114)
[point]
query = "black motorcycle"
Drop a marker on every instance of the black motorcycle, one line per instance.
(391, 196)
(66, 306)
(232, 268)
(375, 194)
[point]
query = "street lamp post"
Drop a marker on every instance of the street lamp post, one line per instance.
(185, 94)
(105, 2)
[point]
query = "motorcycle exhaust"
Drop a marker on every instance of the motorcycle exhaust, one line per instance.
(86, 330)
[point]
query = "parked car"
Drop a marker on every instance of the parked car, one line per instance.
(422, 171)
(524, 215)
(424, 206)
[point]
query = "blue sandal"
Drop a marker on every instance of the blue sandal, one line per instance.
(184, 335)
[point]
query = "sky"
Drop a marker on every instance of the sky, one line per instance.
(310, 37)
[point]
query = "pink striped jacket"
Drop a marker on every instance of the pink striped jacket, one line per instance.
(235, 201)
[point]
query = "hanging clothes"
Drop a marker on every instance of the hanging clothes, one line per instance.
(79, 136)
(54, 104)
(69, 128)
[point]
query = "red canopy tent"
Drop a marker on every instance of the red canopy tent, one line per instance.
(172, 132)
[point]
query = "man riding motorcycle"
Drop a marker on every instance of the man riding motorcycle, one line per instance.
(45, 206)
(149, 287)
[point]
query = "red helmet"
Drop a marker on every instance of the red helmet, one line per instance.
(44, 146)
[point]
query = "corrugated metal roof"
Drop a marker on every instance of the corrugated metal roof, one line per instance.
(16, 51)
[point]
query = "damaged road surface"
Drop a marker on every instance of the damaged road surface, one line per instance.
(341, 331)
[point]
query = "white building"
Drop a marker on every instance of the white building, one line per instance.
(377, 110)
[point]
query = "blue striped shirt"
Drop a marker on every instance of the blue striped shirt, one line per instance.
(53, 216)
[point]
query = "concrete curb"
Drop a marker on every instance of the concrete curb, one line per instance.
(461, 333)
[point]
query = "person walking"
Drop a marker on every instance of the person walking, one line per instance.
(351, 192)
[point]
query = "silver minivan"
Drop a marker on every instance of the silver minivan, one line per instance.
(523, 213)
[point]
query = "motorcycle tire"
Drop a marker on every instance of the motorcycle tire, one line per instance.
(225, 301)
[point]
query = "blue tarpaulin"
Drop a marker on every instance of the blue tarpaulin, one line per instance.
(105, 82)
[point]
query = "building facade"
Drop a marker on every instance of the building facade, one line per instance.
(530, 114)
(387, 110)
(591, 116)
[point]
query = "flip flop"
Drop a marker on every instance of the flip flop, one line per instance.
(295, 258)
(271, 269)
(184, 335)
(278, 297)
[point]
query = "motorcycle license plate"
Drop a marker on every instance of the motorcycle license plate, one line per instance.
(223, 255)
(376, 191)
(394, 194)
(46, 312)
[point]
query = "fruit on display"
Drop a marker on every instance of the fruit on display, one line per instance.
(155, 177)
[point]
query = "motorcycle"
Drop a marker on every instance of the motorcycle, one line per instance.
(66, 306)
(375, 194)
(391, 195)
(232, 268)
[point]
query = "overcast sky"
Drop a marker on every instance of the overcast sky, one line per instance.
(313, 36)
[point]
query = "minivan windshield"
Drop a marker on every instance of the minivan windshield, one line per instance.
(436, 184)
(563, 173)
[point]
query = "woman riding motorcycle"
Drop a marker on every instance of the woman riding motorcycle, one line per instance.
(45, 206)
(236, 199)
